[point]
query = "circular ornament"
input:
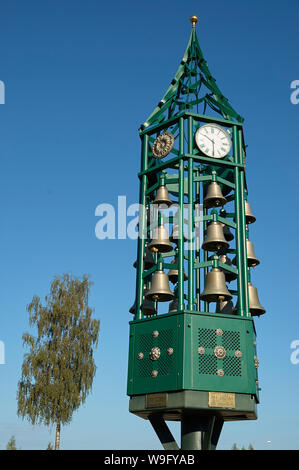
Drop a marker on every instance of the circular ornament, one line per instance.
(170, 351)
(155, 354)
(238, 353)
(154, 373)
(140, 356)
(163, 145)
(219, 352)
(219, 332)
(256, 362)
(201, 350)
(155, 333)
(220, 372)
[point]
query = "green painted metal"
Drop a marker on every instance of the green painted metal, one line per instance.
(192, 77)
(185, 368)
(186, 172)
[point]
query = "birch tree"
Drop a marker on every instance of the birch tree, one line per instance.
(59, 368)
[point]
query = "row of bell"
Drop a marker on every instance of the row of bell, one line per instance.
(213, 198)
(218, 234)
(215, 291)
(217, 238)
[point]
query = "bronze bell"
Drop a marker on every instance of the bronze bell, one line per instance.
(173, 274)
(255, 307)
(148, 306)
(228, 235)
(214, 196)
(174, 237)
(215, 240)
(149, 261)
(229, 276)
(250, 219)
(160, 291)
(160, 241)
(162, 196)
(225, 306)
(215, 287)
(252, 260)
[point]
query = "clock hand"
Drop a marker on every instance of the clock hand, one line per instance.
(208, 138)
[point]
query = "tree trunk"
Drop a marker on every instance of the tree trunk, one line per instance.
(57, 440)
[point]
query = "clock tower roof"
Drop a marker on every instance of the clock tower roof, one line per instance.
(193, 89)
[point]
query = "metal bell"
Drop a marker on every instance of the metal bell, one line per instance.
(174, 237)
(215, 240)
(214, 196)
(173, 306)
(215, 287)
(228, 235)
(160, 291)
(252, 260)
(250, 219)
(173, 274)
(148, 306)
(149, 261)
(225, 306)
(160, 241)
(162, 196)
(229, 276)
(255, 307)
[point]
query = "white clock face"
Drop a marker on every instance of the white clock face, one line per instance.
(213, 140)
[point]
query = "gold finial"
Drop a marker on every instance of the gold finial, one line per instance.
(193, 20)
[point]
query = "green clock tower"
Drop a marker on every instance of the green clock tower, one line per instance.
(192, 345)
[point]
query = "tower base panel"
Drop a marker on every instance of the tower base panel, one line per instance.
(172, 405)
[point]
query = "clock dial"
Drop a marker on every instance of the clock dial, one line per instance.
(213, 140)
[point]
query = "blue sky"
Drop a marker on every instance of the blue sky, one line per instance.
(80, 77)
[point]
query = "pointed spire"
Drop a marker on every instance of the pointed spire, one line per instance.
(193, 88)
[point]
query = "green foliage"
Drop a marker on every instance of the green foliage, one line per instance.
(11, 445)
(58, 370)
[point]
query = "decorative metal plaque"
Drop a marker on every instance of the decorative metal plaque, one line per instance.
(163, 145)
(156, 400)
(222, 400)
